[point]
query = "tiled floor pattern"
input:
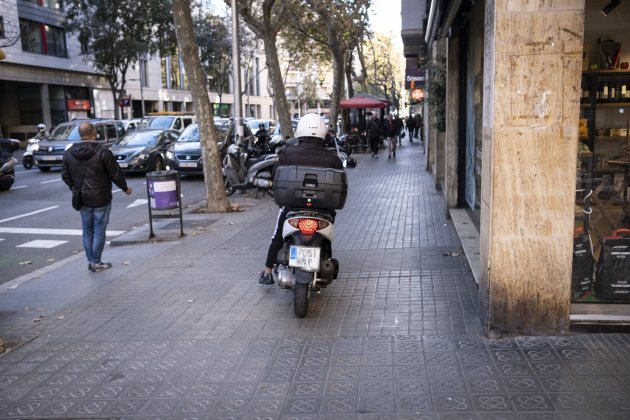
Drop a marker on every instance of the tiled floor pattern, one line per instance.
(397, 336)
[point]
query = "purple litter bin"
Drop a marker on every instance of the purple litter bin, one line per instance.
(162, 188)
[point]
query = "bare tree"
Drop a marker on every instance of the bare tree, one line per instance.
(338, 24)
(216, 200)
(266, 18)
(11, 29)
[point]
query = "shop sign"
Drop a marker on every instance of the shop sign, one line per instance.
(78, 104)
(414, 78)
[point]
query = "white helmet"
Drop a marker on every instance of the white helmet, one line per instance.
(311, 125)
(41, 127)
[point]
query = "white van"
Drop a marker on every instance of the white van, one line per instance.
(175, 121)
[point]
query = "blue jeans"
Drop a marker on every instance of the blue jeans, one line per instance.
(94, 222)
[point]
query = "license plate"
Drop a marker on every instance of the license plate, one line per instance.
(123, 164)
(50, 157)
(304, 257)
(188, 164)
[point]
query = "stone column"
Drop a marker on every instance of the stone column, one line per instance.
(45, 103)
(532, 71)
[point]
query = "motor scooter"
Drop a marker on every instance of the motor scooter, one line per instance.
(242, 173)
(27, 158)
(7, 162)
(306, 263)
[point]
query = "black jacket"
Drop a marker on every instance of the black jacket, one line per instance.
(309, 152)
(100, 169)
(390, 129)
(374, 129)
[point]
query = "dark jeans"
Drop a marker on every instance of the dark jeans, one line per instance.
(374, 142)
(276, 240)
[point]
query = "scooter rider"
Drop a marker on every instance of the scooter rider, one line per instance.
(41, 132)
(310, 151)
(261, 135)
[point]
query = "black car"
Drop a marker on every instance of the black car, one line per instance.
(48, 153)
(184, 156)
(143, 150)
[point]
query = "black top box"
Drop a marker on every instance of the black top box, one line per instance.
(310, 187)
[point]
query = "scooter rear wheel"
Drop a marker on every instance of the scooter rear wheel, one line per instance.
(300, 299)
(227, 186)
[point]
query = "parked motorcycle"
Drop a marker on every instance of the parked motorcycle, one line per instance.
(243, 173)
(306, 262)
(7, 162)
(27, 157)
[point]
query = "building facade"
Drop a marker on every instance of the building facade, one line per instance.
(533, 161)
(44, 78)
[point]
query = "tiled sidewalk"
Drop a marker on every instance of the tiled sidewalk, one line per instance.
(188, 332)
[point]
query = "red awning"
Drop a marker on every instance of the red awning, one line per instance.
(362, 102)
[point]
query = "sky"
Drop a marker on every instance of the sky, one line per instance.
(384, 17)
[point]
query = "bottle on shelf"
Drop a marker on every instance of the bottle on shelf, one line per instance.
(624, 91)
(612, 92)
(618, 92)
(604, 95)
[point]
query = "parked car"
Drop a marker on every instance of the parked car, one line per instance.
(254, 124)
(184, 156)
(132, 124)
(276, 134)
(48, 153)
(142, 150)
(175, 121)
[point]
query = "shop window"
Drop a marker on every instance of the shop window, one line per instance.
(601, 249)
(42, 39)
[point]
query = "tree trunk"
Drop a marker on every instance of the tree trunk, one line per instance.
(349, 77)
(216, 201)
(275, 74)
(112, 88)
(338, 76)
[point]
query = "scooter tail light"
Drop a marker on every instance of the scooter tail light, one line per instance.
(308, 226)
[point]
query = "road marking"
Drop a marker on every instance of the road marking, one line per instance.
(52, 180)
(41, 243)
(18, 187)
(68, 232)
(28, 214)
(138, 202)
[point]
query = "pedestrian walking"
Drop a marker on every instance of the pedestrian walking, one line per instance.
(411, 127)
(91, 168)
(400, 128)
(417, 119)
(374, 135)
(391, 132)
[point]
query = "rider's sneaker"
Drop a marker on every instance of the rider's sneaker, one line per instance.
(266, 278)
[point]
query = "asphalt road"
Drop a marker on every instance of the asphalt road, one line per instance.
(38, 226)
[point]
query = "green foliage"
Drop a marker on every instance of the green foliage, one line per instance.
(115, 33)
(436, 89)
